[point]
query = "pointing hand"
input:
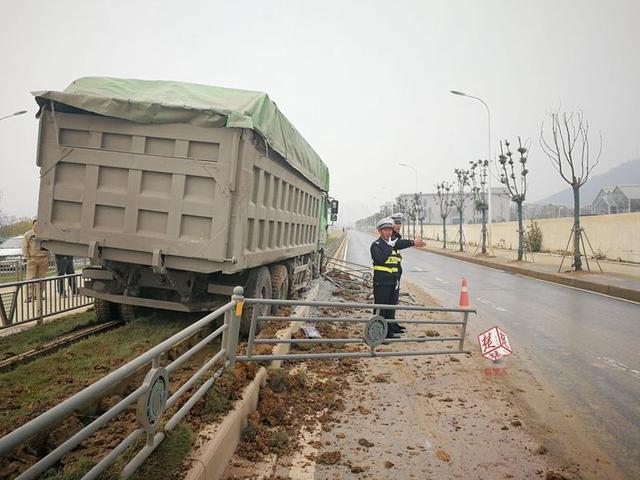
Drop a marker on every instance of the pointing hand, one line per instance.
(418, 242)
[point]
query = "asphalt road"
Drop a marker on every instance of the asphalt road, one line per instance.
(585, 345)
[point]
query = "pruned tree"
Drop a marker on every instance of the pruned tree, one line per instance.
(478, 176)
(460, 200)
(516, 184)
(418, 211)
(567, 146)
(445, 202)
(403, 208)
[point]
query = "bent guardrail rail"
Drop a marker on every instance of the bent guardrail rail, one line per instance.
(152, 397)
(373, 336)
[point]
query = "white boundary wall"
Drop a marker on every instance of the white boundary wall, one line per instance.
(615, 236)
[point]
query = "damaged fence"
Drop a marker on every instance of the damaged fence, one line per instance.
(152, 397)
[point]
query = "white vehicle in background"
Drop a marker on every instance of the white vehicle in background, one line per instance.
(11, 249)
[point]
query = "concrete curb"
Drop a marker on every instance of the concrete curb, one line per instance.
(214, 455)
(611, 290)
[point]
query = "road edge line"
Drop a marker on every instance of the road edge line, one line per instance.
(613, 291)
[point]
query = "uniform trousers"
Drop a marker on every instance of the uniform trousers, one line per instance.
(64, 264)
(387, 295)
(37, 267)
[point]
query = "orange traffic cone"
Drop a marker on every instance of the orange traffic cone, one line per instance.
(464, 295)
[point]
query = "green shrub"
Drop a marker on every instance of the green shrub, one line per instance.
(533, 237)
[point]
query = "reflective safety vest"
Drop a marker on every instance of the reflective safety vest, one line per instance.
(391, 265)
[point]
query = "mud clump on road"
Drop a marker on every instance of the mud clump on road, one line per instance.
(329, 458)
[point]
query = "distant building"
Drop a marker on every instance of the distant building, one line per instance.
(627, 198)
(500, 206)
(618, 199)
(603, 204)
(534, 211)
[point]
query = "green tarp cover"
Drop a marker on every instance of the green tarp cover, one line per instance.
(157, 101)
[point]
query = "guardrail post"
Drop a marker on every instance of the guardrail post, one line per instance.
(463, 332)
(39, 300)
(234, 316)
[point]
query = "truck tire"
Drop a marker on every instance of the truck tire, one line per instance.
(106, 311)
(279, 283)
(127, 312)
(258, 286)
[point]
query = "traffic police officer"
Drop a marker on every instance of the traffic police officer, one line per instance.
(397, 225)
(37, 259)
(386, 268)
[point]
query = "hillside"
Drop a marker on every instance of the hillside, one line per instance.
(625, 174)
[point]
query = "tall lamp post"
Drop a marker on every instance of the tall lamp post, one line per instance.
(462, 94)
(15, 114)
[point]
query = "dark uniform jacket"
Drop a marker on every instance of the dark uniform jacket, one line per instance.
(386, 261)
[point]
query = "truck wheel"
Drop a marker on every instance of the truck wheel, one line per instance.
(258, 286)
(279, 282)
(106, 311)
(127, 312)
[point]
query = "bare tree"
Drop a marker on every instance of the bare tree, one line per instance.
(516, 185)
(403, 208)
(567, 146)
(460, 199)
(418, 211)
(445, 203)
(478, 176)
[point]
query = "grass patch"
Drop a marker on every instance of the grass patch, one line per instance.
(39, 334)
(167, 460)
(33, 388)
(163, 464)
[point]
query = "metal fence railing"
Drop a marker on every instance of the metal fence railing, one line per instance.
(156, 394)
(331, 248)
(15, 270)
(152, 397)
(373, 334)
(30, 300)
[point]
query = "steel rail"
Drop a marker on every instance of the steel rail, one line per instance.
(60, 342)
(326, 356)
(375, 306)
(62, 410)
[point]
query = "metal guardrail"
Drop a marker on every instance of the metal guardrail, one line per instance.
(330, 249)
(151, 397)
(15, 270)
(373, 336)
(354, 270)
(34, 300)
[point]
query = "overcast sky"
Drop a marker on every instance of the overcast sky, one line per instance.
(367, 83)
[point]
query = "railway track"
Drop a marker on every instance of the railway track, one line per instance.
(60, 342)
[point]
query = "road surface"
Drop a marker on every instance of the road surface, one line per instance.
(585, 345)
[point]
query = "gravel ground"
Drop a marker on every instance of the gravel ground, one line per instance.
(446, 416)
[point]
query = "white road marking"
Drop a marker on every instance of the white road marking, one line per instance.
(613, 363)
(442, 281)
(491, 304)
(417, 269)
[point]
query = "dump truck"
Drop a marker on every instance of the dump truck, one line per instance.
(178, 192)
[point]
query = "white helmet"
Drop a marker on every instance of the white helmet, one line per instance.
(397, 218)
(386, 222)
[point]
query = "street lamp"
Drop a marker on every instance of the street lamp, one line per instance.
(15, 114)
(462, 94)
(414, 171)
